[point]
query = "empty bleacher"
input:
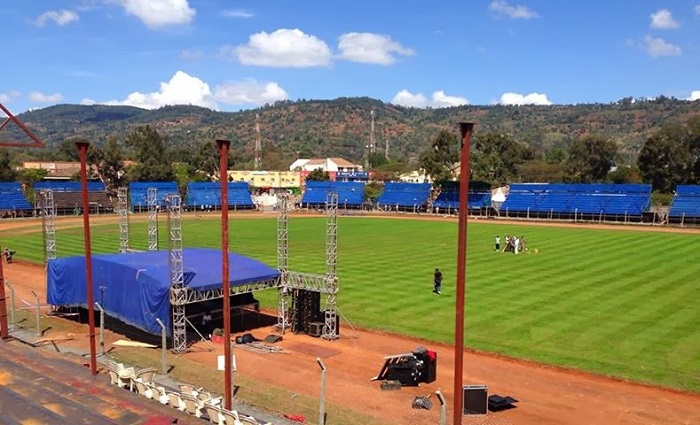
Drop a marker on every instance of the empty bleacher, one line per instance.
(350, 194)
(207, 195)
(685, 207)
(67, 196)
(138, 194)
(402, 196)
(12, 199)
(478, 198)
(578, 201)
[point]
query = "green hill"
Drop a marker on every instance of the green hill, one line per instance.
(341, 127)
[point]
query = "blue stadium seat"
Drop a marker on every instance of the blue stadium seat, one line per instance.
(138, 193)
(68, 186)
(448, 198)
(686, 202)
(607, 199)
(12, 197)
(350, 194)
(203, 194)
(406, 195)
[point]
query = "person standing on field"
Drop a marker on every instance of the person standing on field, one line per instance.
(497, 244)
(437, 281)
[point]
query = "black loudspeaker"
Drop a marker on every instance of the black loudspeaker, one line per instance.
(429, 369)
(315, 329)
(476, 399)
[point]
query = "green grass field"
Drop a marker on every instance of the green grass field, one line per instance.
(620, 303)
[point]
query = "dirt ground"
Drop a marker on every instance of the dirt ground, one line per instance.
(548, 395)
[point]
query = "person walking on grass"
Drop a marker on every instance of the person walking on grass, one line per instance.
(497, 244)
(437, 281)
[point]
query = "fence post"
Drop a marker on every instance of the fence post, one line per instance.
(102, 328)
(322, 402)
(12, 303)
(682, 219)
(575, 214)
(163, 345)
(443, 407)
(38, 322)
(528, 213)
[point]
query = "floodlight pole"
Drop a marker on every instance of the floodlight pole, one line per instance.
(223, 165)
(465, 129)
(82, 151)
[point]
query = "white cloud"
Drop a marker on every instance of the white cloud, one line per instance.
(159, 13)
(418, 100)
(663, 19)
(283, 48)
(185, 89)
(59, 17)
(695, 94)
(9, 96)
(528, 99)
(501, 7)
(237, 13)
(249, 93)
(40, 97)
(657, 47)
(87, 102)
(365, 47)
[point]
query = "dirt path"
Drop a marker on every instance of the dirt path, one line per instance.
(547, 395)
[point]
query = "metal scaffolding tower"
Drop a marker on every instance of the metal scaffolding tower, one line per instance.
(123, 212)
(331, 278)
(48, 219)
(178, 294)
(152, 219)
(284, 300)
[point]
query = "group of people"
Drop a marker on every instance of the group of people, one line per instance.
(8, 255)
(514, 244)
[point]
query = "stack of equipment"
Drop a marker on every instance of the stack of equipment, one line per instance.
(410, 369)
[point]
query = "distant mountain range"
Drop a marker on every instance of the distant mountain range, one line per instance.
(341, 127)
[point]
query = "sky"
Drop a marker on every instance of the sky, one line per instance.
(230, 55)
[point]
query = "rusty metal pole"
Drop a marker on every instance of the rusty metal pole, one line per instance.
(4, 329)
(82, 151)
(464, 170)
(223, 154)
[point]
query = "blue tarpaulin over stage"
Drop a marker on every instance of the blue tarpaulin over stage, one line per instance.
(134, 287)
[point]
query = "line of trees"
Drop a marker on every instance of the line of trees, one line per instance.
(668, 158)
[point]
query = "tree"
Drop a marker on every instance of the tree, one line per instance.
(541, 171)
(108, 163)
(666, 158)
(555, 155)
(590, 159)
(7, 171)
(625, 175)
(318, 175)
(67, 151)
(439, 160)
(152, 158)
(496, 157)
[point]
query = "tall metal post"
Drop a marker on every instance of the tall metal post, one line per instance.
(163, 345)
(48, 221)
(152, 219)
(123, 212)
(331, 278)
(82, 151)
(12, 301)
(223, 177)
(102, 328)
(4, 329)
(178, 296)
(322, 401)
(443, 407)
(37, 312)
(464, 170)
(284, 295)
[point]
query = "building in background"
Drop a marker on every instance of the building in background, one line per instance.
(329, 165)
(271, 181)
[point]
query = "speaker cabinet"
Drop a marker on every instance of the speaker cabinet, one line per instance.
(475, 400)
(315, 329)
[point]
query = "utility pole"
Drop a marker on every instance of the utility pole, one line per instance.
(258, 144)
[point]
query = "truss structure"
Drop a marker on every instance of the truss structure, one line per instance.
(152, 219)
(331, 278)
(48, 220)
(284, 298)
(178, 296)
(35, 143)
(123, 212)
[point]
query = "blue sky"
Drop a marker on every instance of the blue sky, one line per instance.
(230, 54)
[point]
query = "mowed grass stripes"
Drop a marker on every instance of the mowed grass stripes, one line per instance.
(616, 302)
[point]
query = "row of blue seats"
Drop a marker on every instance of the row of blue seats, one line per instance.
(577, 202)
(203, 194)
(404, 194)
(587, 188)
(450, 200)
(71, 186)
(12, 197)
(686, 203)
(349, 193)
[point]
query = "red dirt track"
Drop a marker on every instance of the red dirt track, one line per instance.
(548, 395)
